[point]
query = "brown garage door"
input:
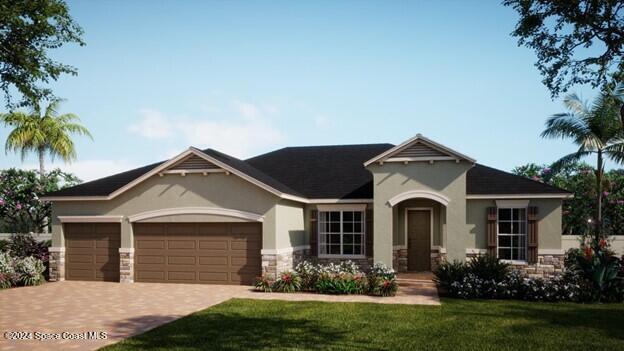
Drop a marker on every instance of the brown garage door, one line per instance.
(209, 253)
(92, 251)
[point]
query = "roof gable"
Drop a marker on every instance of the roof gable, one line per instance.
(417, 149)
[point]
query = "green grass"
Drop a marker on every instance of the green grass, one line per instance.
(456, 325)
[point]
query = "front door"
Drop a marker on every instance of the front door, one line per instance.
(418, 240)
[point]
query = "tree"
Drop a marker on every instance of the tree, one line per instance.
(580, 179)
(48, 133)
(576, 42)
(21, 210)
(28, 30)
(597, 130)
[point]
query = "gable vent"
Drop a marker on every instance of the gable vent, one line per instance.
(193, 163)
(419, 150)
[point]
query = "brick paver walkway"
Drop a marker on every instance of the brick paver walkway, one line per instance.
(123, 310)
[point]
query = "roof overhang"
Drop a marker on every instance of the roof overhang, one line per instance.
(519, 196)
(165, 165)
(451, 154)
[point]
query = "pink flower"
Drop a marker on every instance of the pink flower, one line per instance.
(620, 202)
(1, 202)
(18, 206)
(606, 193)
(547, 170)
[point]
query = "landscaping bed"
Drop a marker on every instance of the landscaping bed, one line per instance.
(345, 278)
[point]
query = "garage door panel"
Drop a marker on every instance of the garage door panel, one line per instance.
(181, 244)
(213, 229)
(218, 244)
(92, 251)
(214, 277)
(150, 244)
(199, 252)
(179, 275)
(213, 261)
(182, 260)
(147, 276)
(150, 259)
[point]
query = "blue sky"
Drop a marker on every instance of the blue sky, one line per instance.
(248, 77)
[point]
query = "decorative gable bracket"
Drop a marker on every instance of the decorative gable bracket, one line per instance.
(419, 149)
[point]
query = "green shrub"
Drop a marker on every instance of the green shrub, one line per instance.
(448, 272)
(264, 284)
(488, 267)
(30, 270)
(308, 273)
(4, 245)
(288, 282)
(341, 284)
(380, 286)
(8, 277)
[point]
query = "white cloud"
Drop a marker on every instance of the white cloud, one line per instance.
(152, 125)
(246, 133)
(89, 169)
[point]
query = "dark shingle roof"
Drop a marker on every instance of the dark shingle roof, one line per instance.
(335, 172)
(322, 172)
(104, 186)
(483, 180)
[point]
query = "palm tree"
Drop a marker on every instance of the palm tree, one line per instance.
(596, 129)
(47, 133)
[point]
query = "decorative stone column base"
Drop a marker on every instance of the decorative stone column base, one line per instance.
(126, 265)
(56, 263)
(438, 255)
(399, 259)
(547, 266)
(275, 262)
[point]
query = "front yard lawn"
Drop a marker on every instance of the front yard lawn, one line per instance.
(457, 325)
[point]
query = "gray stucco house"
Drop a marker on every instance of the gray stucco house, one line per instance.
(206, 217)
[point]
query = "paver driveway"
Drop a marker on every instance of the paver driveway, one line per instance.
(120, 310)
(123, 310)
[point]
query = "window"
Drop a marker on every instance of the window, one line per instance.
(512, 234)
(341, 233)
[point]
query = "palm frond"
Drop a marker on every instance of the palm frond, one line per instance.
(574, 103)
(570, 159)
(615, 151)
(565, 125)
(618, 92)
(53, 107)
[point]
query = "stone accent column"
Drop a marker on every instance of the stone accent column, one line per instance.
(126, 265)
(547, 266)
(57, 263)
(399, 259)
(438, 255)
(275, 262)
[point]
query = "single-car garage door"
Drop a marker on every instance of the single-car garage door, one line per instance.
(92, 251)
(208, 253)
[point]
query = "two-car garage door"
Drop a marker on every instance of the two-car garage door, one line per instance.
(213, 253)
(209, 253)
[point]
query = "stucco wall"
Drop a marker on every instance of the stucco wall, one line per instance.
(215, 190)
(444, 177)
(290, 228)
(549, 225)
(573, 241)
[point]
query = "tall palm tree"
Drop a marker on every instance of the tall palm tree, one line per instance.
(47, 133)
(596, 129)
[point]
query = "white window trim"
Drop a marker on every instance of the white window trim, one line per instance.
(514, 205)
(340, 208)
(430, 209)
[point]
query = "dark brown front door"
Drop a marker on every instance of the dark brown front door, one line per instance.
(92, 251)
(419, 240)
(208, 253)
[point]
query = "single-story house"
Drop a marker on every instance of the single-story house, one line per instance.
(207, 217)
